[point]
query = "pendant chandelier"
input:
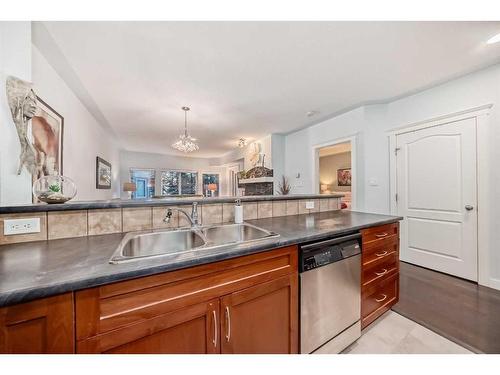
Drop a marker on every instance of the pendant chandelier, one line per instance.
(186, 143)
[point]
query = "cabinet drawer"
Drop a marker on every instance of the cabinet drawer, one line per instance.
(379, 299)
(380, 233)
(380, 270)
(107, 308)
(375, 251)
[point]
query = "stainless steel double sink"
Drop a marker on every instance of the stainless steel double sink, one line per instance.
(142, 245)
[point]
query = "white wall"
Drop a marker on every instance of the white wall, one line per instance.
(159, 162)
(246, 152)
(300, 156)
(84, 137)
(15, 60)
(278, 159)
(272, 146)
(371, 124)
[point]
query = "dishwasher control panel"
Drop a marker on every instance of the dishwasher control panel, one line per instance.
(325, 252)
(326, 256)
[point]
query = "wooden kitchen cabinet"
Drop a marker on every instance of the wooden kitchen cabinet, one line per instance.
(184, 311)
(379, 271)
(260, 319)
(39, 327)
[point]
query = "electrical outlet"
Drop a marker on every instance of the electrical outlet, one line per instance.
(310, 205)
(21, 226)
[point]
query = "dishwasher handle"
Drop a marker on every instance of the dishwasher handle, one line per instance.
(333, 241)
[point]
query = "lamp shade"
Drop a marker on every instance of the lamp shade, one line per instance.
(212, 187)
(129, 186)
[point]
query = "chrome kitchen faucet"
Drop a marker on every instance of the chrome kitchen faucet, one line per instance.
(193, 218)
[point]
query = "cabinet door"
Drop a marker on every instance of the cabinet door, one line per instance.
(262, 318)
(190, 330)
(39, 327)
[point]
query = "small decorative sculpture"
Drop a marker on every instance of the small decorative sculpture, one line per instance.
(23, 106)
(256, 154)
(284, 187)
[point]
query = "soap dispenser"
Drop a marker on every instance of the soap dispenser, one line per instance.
(238, 212)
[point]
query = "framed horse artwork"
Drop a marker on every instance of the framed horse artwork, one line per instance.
(47, 129)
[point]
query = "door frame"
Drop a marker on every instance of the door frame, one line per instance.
(480, 114)
(229, 167)
(352, 139)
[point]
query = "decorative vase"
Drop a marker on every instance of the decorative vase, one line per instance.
(54, 189)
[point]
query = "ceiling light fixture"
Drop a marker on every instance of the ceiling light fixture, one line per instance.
(242, 142)
(494, 39)
(186, 143)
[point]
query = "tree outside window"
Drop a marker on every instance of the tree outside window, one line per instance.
(178, 182)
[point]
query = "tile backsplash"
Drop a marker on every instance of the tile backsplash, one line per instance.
(78, 223)
(105, 221)
(64, 224)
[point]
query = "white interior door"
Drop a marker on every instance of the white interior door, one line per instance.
(436, 183)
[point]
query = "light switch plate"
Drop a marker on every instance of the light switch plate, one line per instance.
(310, 205)
(21, 226)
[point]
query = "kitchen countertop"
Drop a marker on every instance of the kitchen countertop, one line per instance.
(123, 203)
(44, 268)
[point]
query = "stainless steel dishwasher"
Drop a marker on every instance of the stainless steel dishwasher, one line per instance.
(330, 294)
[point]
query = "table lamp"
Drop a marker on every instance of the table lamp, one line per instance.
(129, 187)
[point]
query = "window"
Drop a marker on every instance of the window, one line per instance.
(144, 180)
(211, 185)
(178, 182)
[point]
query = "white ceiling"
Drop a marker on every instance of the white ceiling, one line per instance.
(250, 79)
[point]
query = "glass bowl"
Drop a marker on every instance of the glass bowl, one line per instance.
(54, 189)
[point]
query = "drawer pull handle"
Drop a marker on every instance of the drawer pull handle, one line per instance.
(384, 271)
(381, 235)
(381, 254)
(381, 299)
(228, 324)
(214, 341)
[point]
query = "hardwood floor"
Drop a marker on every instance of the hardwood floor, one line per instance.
(457, 309)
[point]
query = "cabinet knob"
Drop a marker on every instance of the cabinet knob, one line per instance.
(469, 207)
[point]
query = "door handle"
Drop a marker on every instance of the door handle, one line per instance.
(214, 341)
(469, 207)
(228, 324)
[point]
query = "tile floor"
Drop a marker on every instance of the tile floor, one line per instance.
(395, 334)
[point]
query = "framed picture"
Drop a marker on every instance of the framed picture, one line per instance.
(47, 130)
(102, 174)
(344, 177)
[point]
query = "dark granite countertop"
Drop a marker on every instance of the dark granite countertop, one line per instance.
(44, 268)
(119, 203)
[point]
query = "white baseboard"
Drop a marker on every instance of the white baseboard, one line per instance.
(493, 283)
